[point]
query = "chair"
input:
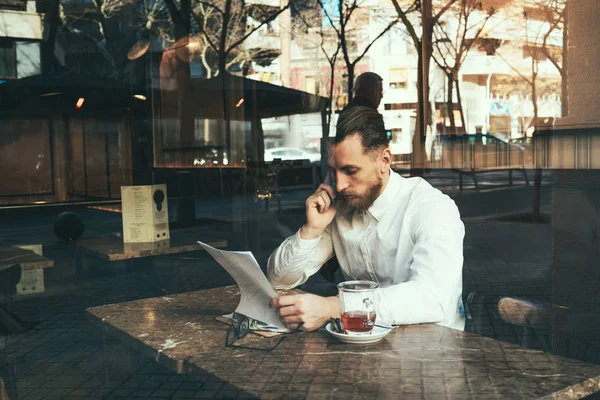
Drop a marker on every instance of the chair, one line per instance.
(3, 395)
(325, 282)
(9, 278)
(532, 319)
(550, 327)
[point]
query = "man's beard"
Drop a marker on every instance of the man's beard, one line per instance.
(348, 205)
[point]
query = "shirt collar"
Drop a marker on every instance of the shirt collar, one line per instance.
(387, 196)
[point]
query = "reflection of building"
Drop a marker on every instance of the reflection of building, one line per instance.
(21, 29)
(65, 139)
(76, 138)
(310, 69)
(584, 65)
(495, 79)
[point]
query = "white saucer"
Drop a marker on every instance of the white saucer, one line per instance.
(376, 335)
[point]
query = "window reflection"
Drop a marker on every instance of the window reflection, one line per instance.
(231, 104)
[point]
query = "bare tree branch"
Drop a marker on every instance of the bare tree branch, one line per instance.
(320, 2)
(545, 50)
(524, 77)
(205, 3)
(201, 22)
(356, 60)
(271, 18)
(409, 26)
(443, 10)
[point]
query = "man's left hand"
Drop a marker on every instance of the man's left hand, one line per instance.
(307, 311)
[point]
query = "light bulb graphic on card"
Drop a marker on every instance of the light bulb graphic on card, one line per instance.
(159, 198)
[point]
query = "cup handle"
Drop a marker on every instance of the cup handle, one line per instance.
(370, 310)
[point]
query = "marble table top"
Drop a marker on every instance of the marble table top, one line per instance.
(112, 248)
(10, 256)
(415, 361)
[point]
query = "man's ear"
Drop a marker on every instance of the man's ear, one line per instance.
(386, 160)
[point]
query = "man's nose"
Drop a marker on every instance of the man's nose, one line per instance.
(341, 182)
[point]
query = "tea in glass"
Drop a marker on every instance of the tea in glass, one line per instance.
(357, 306)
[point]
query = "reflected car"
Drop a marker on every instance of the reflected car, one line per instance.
(291, 153)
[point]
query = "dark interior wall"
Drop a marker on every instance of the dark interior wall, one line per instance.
(576, 261)
(100, 156)
(26, 157)
(64, 158)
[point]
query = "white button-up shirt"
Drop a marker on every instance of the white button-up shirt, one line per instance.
(410, 241)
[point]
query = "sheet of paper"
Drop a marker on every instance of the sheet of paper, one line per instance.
(256, 291)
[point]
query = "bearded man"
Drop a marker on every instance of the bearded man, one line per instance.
(399, 232)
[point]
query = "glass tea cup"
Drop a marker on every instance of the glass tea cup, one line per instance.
(357, 306)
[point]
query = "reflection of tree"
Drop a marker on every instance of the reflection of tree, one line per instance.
(329, 45)
(145, 15)
(224, 25)
(345, 17)
(555, 14)
(52, 23)
(452, 47)
(424, 46)
(100, 39)
(317, 34)
(97, 24)
(538, 23)
(221, 26)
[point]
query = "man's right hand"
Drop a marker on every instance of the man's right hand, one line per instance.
(319, 212)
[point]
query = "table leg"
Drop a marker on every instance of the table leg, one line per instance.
(9, 279)
(8, 322)
(79, 265)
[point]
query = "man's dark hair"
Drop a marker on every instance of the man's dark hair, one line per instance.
(365, 122)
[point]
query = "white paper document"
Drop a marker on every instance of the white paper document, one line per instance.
(256, 291)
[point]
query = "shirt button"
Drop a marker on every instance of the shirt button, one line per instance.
(369, 229)
(366, 258)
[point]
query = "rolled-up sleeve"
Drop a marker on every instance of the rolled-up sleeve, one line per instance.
(433, 290)
(296, 259)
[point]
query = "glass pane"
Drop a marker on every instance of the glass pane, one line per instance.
(445, 150)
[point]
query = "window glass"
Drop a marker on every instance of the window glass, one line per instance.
(132, 129)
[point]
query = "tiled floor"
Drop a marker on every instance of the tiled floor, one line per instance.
(63, 355)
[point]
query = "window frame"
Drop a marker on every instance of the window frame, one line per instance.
(394, 73)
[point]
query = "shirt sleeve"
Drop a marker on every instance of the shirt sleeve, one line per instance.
(433, 290)
(296, 259)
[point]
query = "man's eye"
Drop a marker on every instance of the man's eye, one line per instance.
(351, 172)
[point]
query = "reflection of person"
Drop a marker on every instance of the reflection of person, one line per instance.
(402, 233)
(368, 91)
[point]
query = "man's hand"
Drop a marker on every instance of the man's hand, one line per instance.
(308, 311)
(319, 212)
